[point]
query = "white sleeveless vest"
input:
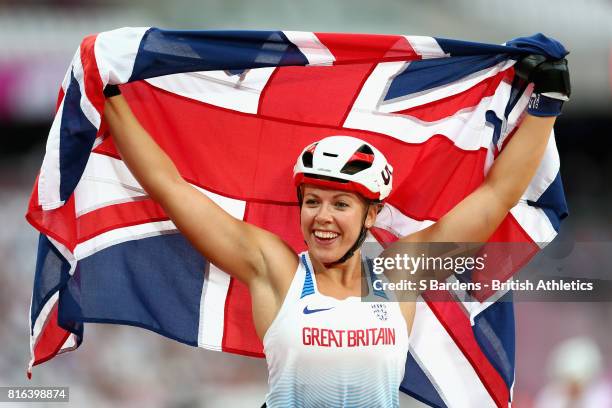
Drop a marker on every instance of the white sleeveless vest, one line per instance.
(325, 352)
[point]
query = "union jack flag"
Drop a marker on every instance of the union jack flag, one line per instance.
(233, 109)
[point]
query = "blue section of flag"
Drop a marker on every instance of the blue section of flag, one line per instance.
(553, 203)
(494, 331)
(164, 52)
(496, 123)
(417, 384)
(534, 44)
(77, 136)
(458, 48)
(432, 73)
(52, 273)
(155, 283)
(539, 44)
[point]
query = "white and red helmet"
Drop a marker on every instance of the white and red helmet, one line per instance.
(345, 163)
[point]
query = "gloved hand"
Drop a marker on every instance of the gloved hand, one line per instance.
(111, 90)
(551, 83)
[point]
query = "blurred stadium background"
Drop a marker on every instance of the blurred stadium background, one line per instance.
(127, 366)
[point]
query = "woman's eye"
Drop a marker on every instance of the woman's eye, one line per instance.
(311, 201)
(341, 204)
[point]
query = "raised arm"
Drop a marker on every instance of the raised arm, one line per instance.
(233, 245)
(476, 217)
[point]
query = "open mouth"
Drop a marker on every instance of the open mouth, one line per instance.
(325, 237)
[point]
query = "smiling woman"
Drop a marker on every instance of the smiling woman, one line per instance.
(323, 337)
(341, 182)
(320, 209)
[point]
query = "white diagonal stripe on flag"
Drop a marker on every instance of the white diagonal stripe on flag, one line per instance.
(311, 47)
(116, 52)
(238, 92)
(426, 47)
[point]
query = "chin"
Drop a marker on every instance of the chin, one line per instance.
(326, 255)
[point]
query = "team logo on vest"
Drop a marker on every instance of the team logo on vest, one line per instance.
(380, 310)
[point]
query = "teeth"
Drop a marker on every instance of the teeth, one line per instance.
(325, 234)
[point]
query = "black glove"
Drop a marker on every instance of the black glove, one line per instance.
(551, 83)
(111, 90)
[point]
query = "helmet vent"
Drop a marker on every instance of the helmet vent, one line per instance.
(330, 154)
(360, 160)
(365, 149)
(307, 159)
(355, 167)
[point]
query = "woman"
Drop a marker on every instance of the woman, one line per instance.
(323, 346)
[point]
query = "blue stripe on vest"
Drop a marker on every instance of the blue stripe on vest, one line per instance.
(308, 288)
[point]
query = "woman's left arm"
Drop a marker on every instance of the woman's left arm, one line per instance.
(477, 216)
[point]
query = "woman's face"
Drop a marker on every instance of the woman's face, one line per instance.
(331, 221)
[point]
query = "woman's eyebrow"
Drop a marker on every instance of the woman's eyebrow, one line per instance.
(334, 196)
(342, 194)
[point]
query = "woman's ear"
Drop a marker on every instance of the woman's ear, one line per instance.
(373, 210)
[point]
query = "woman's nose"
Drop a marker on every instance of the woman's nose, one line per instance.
(323, 214)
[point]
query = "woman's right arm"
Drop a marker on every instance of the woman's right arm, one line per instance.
(241, 249)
